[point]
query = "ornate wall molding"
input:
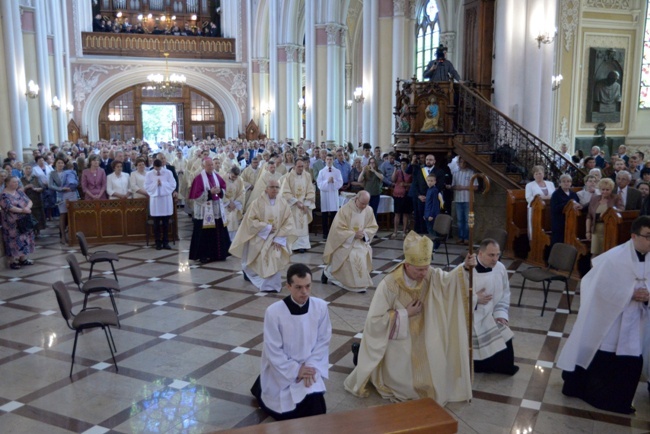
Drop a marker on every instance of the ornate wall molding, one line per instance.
(607, 4)
(563, 137)
(236, 79)
(334, 33)
(399, 7)
(570, 10)
(448, 39)
(264, 65)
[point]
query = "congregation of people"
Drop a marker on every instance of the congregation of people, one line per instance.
(256, 200)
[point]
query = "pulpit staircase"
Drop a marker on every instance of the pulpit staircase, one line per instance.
(477, 131)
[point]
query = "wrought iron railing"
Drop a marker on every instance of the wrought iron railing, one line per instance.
(493, 132)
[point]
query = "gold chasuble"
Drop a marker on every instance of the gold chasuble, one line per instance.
(262, 257)
(234, 193)
(299, 188)
(349, 260)
(261, 184)
(425, 355)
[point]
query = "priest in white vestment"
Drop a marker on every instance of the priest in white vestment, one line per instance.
(233, 201)
(491, 334)
(249, 176)
(267, 174)
(263, 241)
(160, 185)
(298, 190)
(329, 182)
(415, 342)
(348, 254)
(295, 356)
(602, 359)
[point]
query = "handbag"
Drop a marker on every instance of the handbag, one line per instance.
(26, 224)
(208, 216)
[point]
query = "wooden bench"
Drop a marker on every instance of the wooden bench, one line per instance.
(541, 226)
(516, 222)
(421, 416)
(111, 221)
(617, 227)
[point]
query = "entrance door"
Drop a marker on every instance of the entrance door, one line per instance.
(157, 120)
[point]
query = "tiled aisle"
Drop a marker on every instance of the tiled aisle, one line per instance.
(190, 345)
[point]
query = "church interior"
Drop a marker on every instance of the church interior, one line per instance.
(312, 71)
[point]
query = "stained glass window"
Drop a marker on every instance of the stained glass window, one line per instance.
(644, 97)
(427, 36)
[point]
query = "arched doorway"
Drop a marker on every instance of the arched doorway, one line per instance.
(197, 115)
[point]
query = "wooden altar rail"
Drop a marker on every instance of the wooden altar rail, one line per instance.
(145, 45)
(575, 228)
(423, 416)
(617, 227)
(516, 220)
(540, 229)
(111, 221)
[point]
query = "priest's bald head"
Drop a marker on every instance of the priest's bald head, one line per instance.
(418, 251)
(362, 199)
(273, 188)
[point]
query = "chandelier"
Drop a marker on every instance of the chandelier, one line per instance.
(166, 84)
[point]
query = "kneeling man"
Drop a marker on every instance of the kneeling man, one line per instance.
(348, 254)
(295, 357)
(491, 336)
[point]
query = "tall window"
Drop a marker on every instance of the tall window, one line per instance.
(644, 98)
(427, 36)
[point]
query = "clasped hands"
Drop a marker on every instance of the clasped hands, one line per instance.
(641, 294)
(307, 374)
(359, 234)
(214, 190)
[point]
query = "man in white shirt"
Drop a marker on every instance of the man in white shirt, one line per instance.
(329, 182)
(295, 356)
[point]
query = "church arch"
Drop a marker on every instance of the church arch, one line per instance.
(117, 83)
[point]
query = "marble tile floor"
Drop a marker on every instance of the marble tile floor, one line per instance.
(191, 339)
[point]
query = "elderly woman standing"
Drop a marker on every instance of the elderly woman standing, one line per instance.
(34, 190)
(595, 228)
(586, 194)
(537, 187)
(136, 180)
(16, 205)
(65, 183)
(93, 180)
(117, 183)
(559, 199)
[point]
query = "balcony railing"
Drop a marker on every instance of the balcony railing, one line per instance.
(138, 45)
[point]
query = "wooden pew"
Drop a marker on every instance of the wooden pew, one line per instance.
(541, 225)
(575, 228)
(421, 416)
(111, 221)
(516, 220)
(617, 227)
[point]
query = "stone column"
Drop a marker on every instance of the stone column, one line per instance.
(399, 57)
(43, 65)
(350, 118)
(19, 70)
(292, 78)
(273, 69)
(370, 72)
(263, 98)
(311, 128)
(334, 103)
(11, 31)
(59, 73)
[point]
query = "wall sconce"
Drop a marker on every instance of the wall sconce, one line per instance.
(150, 16)
(119, 14)
(140, 17)
(301, 104)
(193, 17)
(32, 89)
(173, 17)
(56, 103)
(163, 18)
(266, 109)
(69, 108)
(556, 82)
(348, 104)
(358, 94)
(546, 37)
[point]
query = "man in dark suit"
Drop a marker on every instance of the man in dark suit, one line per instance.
(632, 197)
(126, 165)
(105, 162)
(418, 190)
(161, 156)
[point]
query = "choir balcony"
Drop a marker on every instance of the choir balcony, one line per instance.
(147, 45)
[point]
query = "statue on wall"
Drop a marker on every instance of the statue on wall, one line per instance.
(432, 117)
(605, 79)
